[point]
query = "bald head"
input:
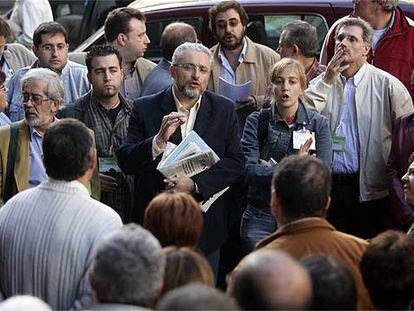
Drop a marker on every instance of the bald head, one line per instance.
(174, 35)
(270, 279)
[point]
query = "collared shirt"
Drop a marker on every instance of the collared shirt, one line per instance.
(185, 128)
(131, 85)
(347, 162)
(73, 76)
(37, 169)
(4, 119)
(226, 70)
(378, 34)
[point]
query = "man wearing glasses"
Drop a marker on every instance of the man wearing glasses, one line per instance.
(237, 59)
(169, 116)
(22, 168)
(50, 45)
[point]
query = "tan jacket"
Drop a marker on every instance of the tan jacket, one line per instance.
(21, 167)
(255, 67)
(380, 99)
(144, 67)
(316, 236)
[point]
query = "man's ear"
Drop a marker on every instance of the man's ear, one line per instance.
(275, 205)
(296, 50)
(367, 48)
(173, 71)
(55, 106)
(89, 77)
(35, 50)
(121, 39)
(328, 204)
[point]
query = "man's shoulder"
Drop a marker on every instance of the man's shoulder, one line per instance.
(218, 101)
(143, 63)
(387, 79)
(263, 50)
(82, 102)
(76, 67)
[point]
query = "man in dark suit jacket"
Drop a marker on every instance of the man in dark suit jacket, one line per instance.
(169, 116)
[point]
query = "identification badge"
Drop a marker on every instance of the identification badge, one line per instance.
(300, 137)
(107, 164)
(338, 143)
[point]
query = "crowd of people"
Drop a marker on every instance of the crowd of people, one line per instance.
(310, 201)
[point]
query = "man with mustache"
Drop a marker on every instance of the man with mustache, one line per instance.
(50, 45)
(169, 116)
(237, 59)
(107, 112)
(361, 103)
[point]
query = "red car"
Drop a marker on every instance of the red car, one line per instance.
(267, 17)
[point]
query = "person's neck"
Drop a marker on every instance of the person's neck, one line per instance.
(108, 102)
(287, 113)
(353, 69)
(306, 62)
(186, 102)
(85, 178)
(233, 56)
(381, 20)
(127, 65)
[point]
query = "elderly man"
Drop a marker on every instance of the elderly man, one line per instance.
(50, 45)
(48, 234)
(173, 36)
(125, 30)
(21, 165)
(107, 113)
(361, 103)
(271, 280)
(392, 46)
(138, 275)
(237, 59)
(300, 198)
(170, 116)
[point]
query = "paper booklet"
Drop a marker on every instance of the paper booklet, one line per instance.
(191, 157)
(234, 91)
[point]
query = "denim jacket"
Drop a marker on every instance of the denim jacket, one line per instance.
(279, 144)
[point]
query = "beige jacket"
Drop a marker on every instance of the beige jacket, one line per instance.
(255, 67)
(380, 99)
(144, 67)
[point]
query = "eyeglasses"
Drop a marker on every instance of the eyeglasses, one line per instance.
(3, 87)
(50, 47)
(36, 99)
(192, 68)
(232, 23)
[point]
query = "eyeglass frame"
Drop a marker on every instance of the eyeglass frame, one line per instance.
(36, 103)
(189, 67)
(232, 22)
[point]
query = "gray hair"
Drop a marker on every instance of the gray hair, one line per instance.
(54, 86)
(367, 31)
(129, 267)
(190, 47)
(304, 35)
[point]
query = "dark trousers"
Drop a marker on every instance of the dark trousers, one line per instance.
(349, 215)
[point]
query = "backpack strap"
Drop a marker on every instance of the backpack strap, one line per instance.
(263, 126)
(11, 160)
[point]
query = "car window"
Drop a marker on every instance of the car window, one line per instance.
(155, 29)
(266, 29)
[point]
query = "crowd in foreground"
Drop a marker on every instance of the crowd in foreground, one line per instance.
(312, 167)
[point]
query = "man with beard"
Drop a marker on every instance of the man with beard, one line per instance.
(392, 46)
(107, 112)
(50, 45)
(361, 103)
(21, 153)
(169, 116)
(237, 59)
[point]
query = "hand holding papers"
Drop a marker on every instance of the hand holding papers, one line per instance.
(189, 158)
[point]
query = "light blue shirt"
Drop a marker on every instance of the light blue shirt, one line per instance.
(75, 83)
(226, 71)
(347, 162)
(37, 168)
(4, 120)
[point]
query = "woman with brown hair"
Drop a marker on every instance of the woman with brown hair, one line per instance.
(185, 266)
(174, 218)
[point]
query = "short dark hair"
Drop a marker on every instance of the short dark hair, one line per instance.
(68, 149)
(387, 268)
(223, 7)
(174, 35)
(117, 22)
(196, 297)
(303, 185)
(101, 50)
(302, 34)
(333, 285)
(5, 29)
(48, 28)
